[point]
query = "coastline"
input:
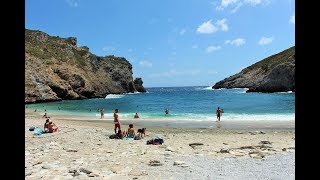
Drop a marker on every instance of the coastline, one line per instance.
(227, 152)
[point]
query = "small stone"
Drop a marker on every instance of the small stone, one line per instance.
(178, 163)
(195, 144)
(183, 165)
(169, 149)
(72, 170)
(224, 150)
(76, 174)
(155, 163)
(45, 167)
(72, 150)
(265, 142)
(284, 149)
(225, 143)
(37, 163)
(92, 175)
(85, 170)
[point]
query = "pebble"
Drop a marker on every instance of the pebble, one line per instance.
(178, 163)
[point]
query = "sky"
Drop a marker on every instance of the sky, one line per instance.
(172, 42)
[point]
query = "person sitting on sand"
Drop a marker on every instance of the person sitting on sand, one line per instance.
(52, 127)
(136, 115)
(45, 115)
(46, 126)
(131, 133)
(121, 134)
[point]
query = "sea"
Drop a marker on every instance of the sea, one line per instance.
(194, 103)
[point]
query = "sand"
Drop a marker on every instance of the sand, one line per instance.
(81, 149)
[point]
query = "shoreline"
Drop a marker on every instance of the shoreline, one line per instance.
(181, 123)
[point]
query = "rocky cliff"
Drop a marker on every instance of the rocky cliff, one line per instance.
(273, 74)
(56, 69)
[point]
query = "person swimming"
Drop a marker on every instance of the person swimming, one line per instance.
(166, 111)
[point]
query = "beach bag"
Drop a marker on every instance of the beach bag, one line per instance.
(113, 136)
(137, 137)
(32, 128)
(157, 141)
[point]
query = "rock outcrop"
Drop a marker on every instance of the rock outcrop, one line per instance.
(273, 74)
(56, 69)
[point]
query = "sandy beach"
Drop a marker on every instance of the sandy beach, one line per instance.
(81, 149)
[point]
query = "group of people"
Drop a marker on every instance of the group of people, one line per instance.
(49, 126)
(130, 133)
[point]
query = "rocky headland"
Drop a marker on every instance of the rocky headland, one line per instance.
(56, 69)
(272, 74)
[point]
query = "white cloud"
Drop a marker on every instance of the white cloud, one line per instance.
(108, 48)
(222, 24)
(212, 48)
(195, 46)
(145, 64)
(208, 27)
(292, 19)
(236, 42)
(265, 40)
(236, 4)
(182, 31)
(72, 3)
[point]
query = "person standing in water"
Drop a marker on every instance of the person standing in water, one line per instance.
(219, 113)
(116, 121)
(166, 111)
(102, 113)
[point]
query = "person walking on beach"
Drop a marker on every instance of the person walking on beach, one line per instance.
(102, 113)
(136, 115)
(219, 113)
(116, 121)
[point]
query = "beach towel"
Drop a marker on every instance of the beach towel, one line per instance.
(37, 131)
(128, 138)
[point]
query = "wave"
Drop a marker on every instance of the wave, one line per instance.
(287, 92)
(207, 88)
(114, 96)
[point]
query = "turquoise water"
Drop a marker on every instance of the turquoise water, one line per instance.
(185, 103)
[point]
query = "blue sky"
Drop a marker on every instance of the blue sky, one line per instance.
(172, 42)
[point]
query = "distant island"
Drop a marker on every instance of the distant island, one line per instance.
(56, 69)
(272, 74)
